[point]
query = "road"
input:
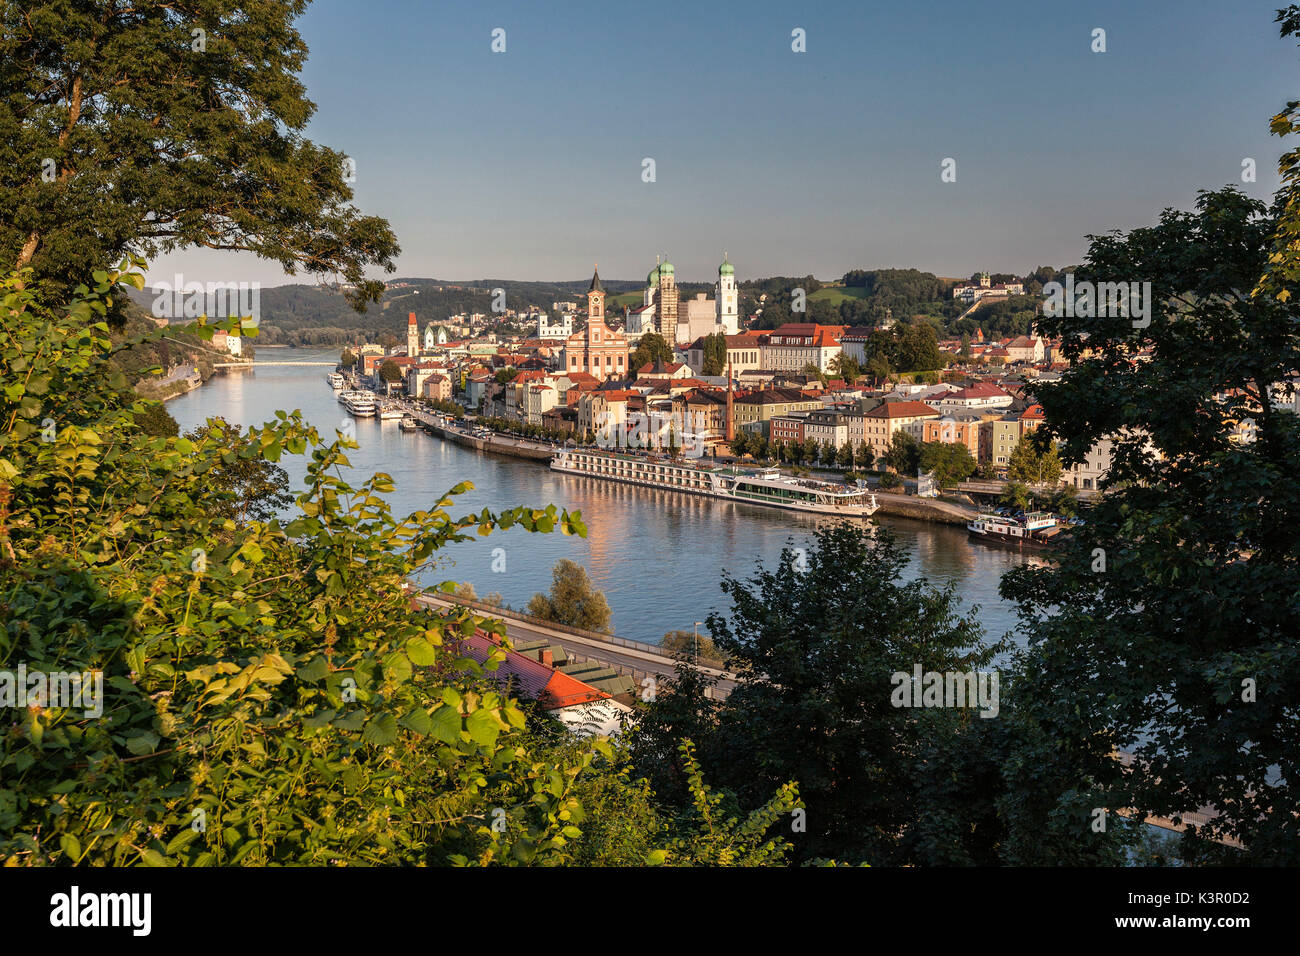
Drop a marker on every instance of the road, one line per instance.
(635, 663)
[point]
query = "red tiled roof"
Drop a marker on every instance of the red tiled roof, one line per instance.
(550, 687)
(902, 410)
(980, 390)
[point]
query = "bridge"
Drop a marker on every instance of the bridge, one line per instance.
(635, 659)
(272, 364)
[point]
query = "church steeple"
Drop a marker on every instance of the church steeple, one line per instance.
(595, 299)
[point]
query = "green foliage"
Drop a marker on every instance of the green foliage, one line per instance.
(155, 420)
(715, 354)
(1183, 650)
(1016, 494)
(814, 642)
(244, 484)
(268, 680)
(950, 462)
(157, 144)
(690, 644)
(572, 600)
(1035, 462)
(652, 347)
(904, 455)
(390, 372)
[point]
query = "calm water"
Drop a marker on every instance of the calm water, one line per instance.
(658, 556)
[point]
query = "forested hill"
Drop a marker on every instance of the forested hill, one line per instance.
(307, 314)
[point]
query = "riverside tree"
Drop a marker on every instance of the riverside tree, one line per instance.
(572, 599)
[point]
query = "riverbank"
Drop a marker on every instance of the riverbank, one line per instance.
(923, 509)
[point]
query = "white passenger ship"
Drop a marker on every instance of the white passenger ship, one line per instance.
(759, 486)
(335, 380)
(360, 403)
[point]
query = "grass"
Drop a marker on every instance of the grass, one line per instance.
(837, 294)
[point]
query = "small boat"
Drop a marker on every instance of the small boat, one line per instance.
(1036, 529)
(407, 424)
(389, 412)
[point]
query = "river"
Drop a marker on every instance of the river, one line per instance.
(658, 556)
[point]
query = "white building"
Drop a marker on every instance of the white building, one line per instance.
(973, 293)
(559, 326)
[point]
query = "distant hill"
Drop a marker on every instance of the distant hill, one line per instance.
(309, 314)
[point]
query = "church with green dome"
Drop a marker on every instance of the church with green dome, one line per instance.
(681, 323)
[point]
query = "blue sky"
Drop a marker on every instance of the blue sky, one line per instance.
(527, 164)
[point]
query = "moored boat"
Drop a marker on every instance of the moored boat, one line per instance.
(759, 486)
(1036, 529)
(335, 379)
(360, 403)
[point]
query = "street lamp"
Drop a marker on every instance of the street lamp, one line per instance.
(697, 639)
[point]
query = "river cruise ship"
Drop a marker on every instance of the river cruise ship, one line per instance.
(758, 486)
(359, 403)
(335, 380)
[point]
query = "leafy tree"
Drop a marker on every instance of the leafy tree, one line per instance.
(248, 486)
(265, 674)
(690, 644)
(197, 143)
(715, 354)
(846, 367)
(1031, 462)
(904, 455)
(572, 600)
(1016, 495)
(1167, 629)
(843, 607)
(950, 462)
(157, 421)
(878, 367)
(390, 372)
(651, 348)
(348, 359)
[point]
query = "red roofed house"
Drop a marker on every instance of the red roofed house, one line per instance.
(981, 397)
(881, 422)
(566, 698)
(663, 371)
